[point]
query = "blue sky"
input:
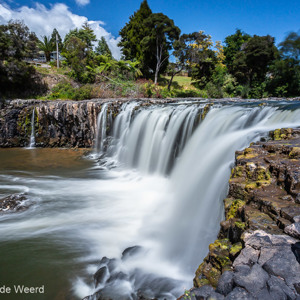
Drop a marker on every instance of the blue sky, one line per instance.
(218, 18)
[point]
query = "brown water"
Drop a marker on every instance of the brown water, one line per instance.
(45, 259)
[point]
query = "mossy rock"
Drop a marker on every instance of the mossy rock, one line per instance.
(295, 153)
(235, 250)
(281, 134)
(234, 207)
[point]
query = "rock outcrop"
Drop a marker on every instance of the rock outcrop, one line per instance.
(257, 253)
(57, 123)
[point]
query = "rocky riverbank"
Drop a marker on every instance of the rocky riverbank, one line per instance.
(257, 253)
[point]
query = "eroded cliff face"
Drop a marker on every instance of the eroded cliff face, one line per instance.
(56, 123)
(257, 253)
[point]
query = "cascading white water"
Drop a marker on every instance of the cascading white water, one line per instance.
(151, 139)
(171, 204)
(32, 135)
(101, 129)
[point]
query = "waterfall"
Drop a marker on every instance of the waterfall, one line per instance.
(101, 129)
(150, 139)
(32, 135)
(165, 194)
(196, 157)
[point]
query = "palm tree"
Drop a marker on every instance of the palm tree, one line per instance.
(47, 46)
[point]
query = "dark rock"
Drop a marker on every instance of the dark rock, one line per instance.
(293, 230)
(253, 281)
(130, 251)
(203, 293)
(296, 250)
(279, 290)
(285, 265)
(225, 284)
(100, 276)
(248, 256)
(13, 203)
(239, 294)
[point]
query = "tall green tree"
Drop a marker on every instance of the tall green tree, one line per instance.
(160, 40)
(102, 48)
(290, 47)
(85, 34)
(47, 46)
(251, 63)
(132, 35)
(285, 71)
(201, 58)
(233, 45)
(16, 77)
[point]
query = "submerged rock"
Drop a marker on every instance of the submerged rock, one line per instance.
(14, 203)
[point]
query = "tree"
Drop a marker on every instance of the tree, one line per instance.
(290, 47)
(78, 51)
(233, 45)
(201, 58)
(16, 44)
(47, 46)
(85, 34)
(162, 35)
(251, 63)
(102, 48)
(284, 77)
(132, 35)
(181, 55)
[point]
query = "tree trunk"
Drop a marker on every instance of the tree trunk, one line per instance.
(170, 81)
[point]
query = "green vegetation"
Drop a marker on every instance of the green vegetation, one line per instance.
(155, 55)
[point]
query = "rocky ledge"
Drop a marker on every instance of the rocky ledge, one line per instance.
(257, 253)
(57, 123)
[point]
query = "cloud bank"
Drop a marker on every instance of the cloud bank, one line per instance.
(42, 21)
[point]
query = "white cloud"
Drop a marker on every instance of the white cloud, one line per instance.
(42, 21)
(82, 2)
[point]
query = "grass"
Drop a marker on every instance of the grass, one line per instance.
(183, 81)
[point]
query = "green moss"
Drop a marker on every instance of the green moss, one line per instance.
(240, 225)
(219, 244)
(205, 110)
(238, 171)
(236, 249)
(236, 204)
(263, 174)
(277, 133)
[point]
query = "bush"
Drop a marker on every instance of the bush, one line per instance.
(213, 91)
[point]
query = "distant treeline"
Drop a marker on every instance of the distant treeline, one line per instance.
(152, 45)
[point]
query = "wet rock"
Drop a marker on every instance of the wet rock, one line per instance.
(100, 276)
(293, 230)
(14, 203)
(130, 251)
